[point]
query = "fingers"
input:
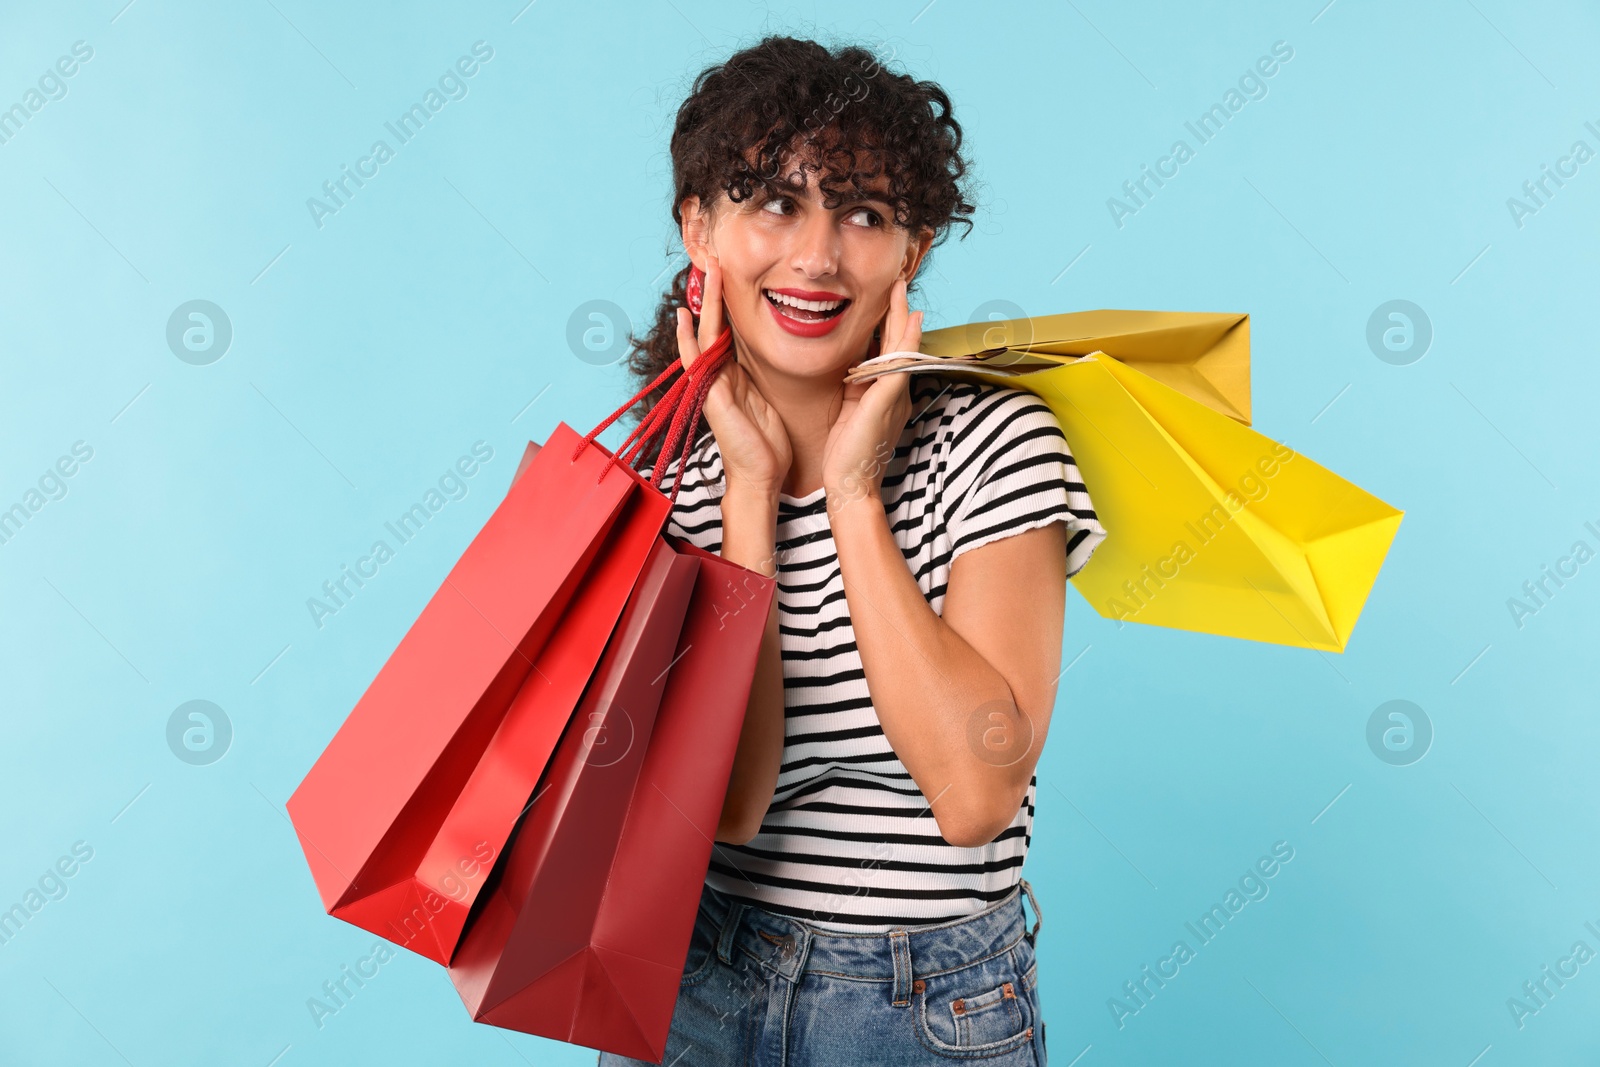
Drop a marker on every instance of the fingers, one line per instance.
(894, 322)
(688, 348)
(711, 308)
(902, 328)
(911, 340)
(884, 392)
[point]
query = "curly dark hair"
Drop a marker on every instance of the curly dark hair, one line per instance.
(840, 113)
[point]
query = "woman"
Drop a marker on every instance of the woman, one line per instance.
(864, 899)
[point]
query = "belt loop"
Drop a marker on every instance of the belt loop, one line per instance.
(1038, 916)
(730, 924)
(900, 948)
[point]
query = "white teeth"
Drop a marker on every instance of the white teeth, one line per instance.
(804, 305)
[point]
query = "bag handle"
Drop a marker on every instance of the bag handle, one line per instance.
(683, 402)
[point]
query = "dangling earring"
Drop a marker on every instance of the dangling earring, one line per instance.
(695, 289)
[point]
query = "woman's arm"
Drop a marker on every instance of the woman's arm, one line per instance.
(749, 531)
(964, 699)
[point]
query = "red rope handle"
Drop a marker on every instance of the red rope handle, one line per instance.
(686, 416)
(653, 424)
(693, 421)
(705, 368)
(617, 414)
(683, 402)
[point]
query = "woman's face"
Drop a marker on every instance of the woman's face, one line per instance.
(804, 285)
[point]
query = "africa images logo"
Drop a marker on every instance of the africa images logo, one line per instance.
(452, 85)
(1252, 86)
(1253, 885)
(452, 485)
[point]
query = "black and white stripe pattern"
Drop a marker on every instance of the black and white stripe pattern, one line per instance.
(849, 842)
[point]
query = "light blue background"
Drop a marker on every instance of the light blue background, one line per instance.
(428, 313)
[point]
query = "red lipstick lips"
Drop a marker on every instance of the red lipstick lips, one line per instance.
(797, 315)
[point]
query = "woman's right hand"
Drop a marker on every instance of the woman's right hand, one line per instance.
(755, 448)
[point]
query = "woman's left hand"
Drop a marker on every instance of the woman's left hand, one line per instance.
(863, 437)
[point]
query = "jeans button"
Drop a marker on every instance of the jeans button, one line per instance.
(785, 943)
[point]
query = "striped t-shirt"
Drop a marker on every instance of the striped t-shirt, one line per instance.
(849, 842)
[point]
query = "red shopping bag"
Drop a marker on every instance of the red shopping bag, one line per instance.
(403, 816)
(583, 932)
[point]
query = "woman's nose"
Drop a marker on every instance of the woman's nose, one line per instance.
(816, 249)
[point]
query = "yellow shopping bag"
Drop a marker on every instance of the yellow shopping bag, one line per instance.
(1211, 526)
(1205, 355)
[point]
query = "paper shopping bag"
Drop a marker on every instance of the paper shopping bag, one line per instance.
(406, 811)
(484, 813)
(1210, 526)
(584, 935)
(562, 848)
(1204, 355)
(1217, 527)
(403, 815)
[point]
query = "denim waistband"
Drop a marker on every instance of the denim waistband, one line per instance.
(792, 946)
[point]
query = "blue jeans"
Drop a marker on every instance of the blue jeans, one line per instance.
(765, 990)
